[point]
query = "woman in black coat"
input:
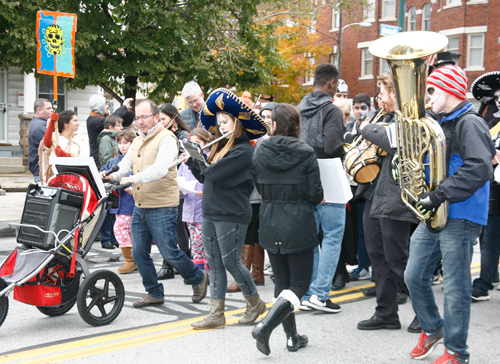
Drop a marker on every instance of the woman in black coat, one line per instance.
(286, 174)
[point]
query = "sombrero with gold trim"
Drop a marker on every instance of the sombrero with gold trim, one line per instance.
(223, 100)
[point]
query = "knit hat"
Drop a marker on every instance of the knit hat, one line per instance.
(450, 79)
(128, 119)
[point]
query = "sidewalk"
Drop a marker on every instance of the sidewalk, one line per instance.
(12, 204)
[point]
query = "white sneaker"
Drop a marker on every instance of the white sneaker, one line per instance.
(268, 270)
(304, 306)
(351, 268)
(320, 305)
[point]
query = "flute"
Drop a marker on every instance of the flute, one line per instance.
(180, 160)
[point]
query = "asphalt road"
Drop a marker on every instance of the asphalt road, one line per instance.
(163, 333)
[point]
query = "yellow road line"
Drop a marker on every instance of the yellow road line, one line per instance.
(141, 336)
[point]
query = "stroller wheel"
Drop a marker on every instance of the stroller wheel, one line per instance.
(57, 311)
(4, 303)
(100, 298)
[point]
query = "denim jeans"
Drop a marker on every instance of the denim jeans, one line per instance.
(159, 225)
(490, 252)
(455, 245)
(363, 259)
(107, 233)
(223, 243)
(331, 218)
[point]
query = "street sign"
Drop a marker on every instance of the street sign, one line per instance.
(388, 29)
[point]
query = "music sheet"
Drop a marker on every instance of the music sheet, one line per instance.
(334, 181)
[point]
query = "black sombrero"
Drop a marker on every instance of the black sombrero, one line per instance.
(223, 100)
(484, 86)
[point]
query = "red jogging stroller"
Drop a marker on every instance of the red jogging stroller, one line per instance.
(47, 269)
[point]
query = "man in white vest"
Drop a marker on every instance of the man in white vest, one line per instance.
(156, 196)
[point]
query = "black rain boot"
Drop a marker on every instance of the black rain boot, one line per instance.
(166, 271)
(294, 341)
(282, 308)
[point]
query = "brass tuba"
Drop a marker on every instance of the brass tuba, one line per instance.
(418, 136)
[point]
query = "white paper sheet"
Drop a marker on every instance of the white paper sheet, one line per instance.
(186, 186)
(334, 181)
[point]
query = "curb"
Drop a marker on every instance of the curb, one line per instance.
(6, 231)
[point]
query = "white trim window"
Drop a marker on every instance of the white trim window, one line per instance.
(426, 17)
(366, 63)
(309, 79)
(475, 52)
(384, 66)
(388, 9)
(453, 44)
(412, 19)
(335, 19)
(46, 90)
(369, 10)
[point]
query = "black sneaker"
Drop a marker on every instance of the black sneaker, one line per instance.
(480, 296)
(320, 305)
(370, 292)
(402, 298)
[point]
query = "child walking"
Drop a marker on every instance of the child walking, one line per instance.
(192, 209)
(124, 212)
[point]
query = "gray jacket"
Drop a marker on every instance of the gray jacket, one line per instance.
(190, 117)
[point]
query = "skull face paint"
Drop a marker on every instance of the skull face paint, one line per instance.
(437, 98)
(497, 98)
(54, 39)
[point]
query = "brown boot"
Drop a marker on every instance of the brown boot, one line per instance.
(246, 259)
(129, 265)
(255, 308)
(258, 265)
(215, 318)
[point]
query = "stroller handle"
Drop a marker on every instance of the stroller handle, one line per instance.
(56, 236)
(122, 187)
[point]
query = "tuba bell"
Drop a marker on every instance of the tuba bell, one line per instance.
(421, 143)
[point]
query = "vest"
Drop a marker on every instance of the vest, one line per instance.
(163, 192)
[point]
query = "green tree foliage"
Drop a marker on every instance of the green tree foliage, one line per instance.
(122, 42)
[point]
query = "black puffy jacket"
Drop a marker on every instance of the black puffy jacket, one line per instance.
(286, 173)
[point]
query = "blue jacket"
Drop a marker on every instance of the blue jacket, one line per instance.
(126, 199)
(35, 135)
(467, 187)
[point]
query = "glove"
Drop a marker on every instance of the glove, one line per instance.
(429, 203)
(395, 169)
(47, 138)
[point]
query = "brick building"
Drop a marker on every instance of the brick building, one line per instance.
(470, 25)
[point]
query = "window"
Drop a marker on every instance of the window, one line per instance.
(426, 17)
(384, 66)
(369, 10)
(335, 19)
(388, 9)
(312, 27)
(412, 19)
(450, 2)
(46, 90)
(475, 50)
(453, 45)
(366, 63)
(334, 59)
(309, 77)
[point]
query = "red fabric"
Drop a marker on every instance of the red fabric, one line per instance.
(73, 259)
(38, 295)
(8, 268)
(77, 183)
(61, 153)
(47, 138)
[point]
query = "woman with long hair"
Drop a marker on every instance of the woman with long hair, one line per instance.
(286, 173)
(226, 202)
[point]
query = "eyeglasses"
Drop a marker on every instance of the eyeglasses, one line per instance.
(194, 101)
(143, 117)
